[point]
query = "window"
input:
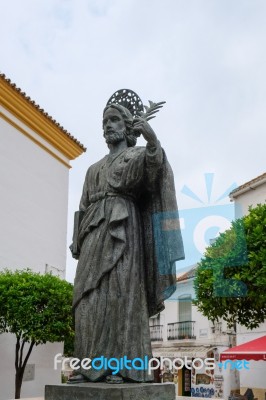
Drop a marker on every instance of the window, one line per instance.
(184, 308)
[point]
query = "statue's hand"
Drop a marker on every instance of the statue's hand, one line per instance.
(141, 126)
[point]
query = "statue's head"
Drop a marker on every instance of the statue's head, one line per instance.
(120, 122)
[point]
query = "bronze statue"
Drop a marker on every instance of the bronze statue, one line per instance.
(127, 240)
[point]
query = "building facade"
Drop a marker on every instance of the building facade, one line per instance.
(35, 154)
(182, 332)
(249, 194)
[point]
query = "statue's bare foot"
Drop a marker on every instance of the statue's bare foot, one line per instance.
(114, 379)
(77, 379)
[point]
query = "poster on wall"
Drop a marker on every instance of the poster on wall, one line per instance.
(202, 382)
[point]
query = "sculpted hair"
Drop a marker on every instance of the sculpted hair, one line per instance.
(131, 137)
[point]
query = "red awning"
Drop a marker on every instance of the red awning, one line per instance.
(253, 350)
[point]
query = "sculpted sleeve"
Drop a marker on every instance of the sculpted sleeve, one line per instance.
(153, 161)
(162, 235)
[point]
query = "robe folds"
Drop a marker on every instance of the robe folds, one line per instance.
(127, 243)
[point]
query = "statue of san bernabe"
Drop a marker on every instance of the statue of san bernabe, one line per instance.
(127, 239)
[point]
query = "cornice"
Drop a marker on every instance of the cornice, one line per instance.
(258, 181)
(25, 109)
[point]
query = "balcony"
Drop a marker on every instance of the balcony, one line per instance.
(181, 330)
(156, 332)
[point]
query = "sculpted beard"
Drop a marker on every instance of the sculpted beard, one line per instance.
(115, 137)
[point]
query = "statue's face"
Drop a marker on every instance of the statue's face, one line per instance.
(113, 126)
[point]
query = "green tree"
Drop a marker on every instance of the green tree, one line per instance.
(231, 277)
(37, 309)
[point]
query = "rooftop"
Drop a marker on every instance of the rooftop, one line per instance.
(187, 275)
(249, 185)
(6, 83)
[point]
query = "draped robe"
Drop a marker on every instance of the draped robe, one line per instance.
(118, 285)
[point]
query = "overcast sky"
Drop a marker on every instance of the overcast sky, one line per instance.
(205, 58)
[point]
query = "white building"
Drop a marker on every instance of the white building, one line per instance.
(35, 154)
(249, 194)
(182, 331)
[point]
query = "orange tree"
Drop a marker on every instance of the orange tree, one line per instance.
(231, 277)
(37, 309)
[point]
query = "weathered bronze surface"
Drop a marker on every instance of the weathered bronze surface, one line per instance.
(127, 245)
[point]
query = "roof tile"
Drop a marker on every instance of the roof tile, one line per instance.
(41, 110)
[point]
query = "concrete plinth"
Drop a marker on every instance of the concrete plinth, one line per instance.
(105, 391)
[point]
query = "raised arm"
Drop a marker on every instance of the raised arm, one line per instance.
(154, 152)
(141, 126)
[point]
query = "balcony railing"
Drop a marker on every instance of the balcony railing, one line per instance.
(156, 332)
(181, 330)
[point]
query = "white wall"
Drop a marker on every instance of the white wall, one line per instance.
(255, 376)
(42, 357)
(252, 197)
(33, 215)
(170, 315)
(33, 212)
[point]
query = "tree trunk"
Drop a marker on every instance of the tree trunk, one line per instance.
(18, 383)
(20, 364)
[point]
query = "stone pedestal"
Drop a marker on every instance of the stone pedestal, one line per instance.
(104, 391)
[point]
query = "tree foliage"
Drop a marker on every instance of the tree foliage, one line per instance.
(231, 277)
(37, 309)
